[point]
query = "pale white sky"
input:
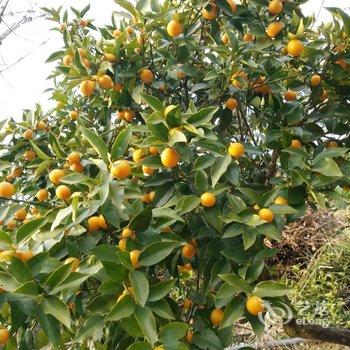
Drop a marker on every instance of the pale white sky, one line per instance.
(22, 85)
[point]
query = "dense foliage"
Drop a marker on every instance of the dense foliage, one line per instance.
(138, 213)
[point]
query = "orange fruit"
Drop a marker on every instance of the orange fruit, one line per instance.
(248, 37)
(7, 190)
(17, 172)
(129, 115)
(121, 169)
(290, 95)
(170, 158)
(140, 39)
(254, 305)
(105, 82)
(87, 87)
(341, 62)
(138, 155)
(231, 103)
(146, 76)
(78, 167)
(216, 316)
(274, 28)
(281, 200)
(224, 38)
(29, 155)
(42, 195)
(86, 63)
(151, 195)
(295, 47)
(275, 7)
(129, 30)
(102, 222)
(266, 214)
(67, 60)
(117, 33)
(232, 5)
(4, 335)
(174, 28)
(117, 86)
(120, 115)
(153, 150)
(324, 95)
(74, 262)
(122, 244)
(63, 192)
(83, 23)
(187, 304)
(62, 26)
(109, 57)
(332, 144)
(315, 80)
(93, 223)
(127, 232)
(134, 258)
(24, 255)
(147, 170)
(20, 214)
(180, 74)
(296, 144)
(210, 13)
(208, 199)
(56, 175)
(82, 52)
(236, 150)
(73, 115)
(10, 225)
(28, 134)
(73, 158)
(40, 125)
(188, 251)
(189, 336)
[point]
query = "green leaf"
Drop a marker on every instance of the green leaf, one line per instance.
(28, 229)
(201, 181)
(49, 325)
(153, 102)
(156, 252)
(42, 155)
(162, 309)
(219, 168)
(58, 309)
(7, 282)
(140, 345)
(160, 290)
(251, 194)
(173, 331)
(176, 136)
(121, 143)
(128, 6)
(92, 328)
(56, 146)
(237, 282)
(140, 285)
(146, 321)
(141, 221)
(96, 142)
(270, 289)
(282, 209)
(58, 276)
(121, 309)
(233, 311)
(327, 167)
(202, 117)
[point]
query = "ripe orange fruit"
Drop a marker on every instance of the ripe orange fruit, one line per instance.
(40, 125)
(231, 103)
(232, 5)
(208, 199)
(341, 62)
(174, 28)
(153, 150)
(78, 167)
(117, 33)
(146, 76)
(4, 335)
(86, 63)
(187, 304)
(83, 23)
(105, 82)
(170, 158)
(189, 336)
(138, 155)
(73, 115)
(275, 7)
(42, 195)
(295, 47)
(129, 30)
(248, 37)
(332, 144)
(109, 57)
(151, 195)
(10, 225)
(67, 60)
(24, 255)
(117, 86)
(87, 87)
(224, 38)
(129, 115)
(74, 262)
(134, 258)
(147, 170)
(7, 190)
(29, 155)
(127, 232)
(254, 305)
(20, 214)
(188, 251)
(290, 95)
(73, 158)
(63, 192)
(266, 214)
(62, 26)
(210, 13)
(216, 316)
(28, 134)
(121, 169)
(93, 223)
(122, 244)
(274, 28)
(56, 175)
(102, 222)
(180, 74)
(281, 200)
(17, 172)
(236, 150)
(315, 80)
(296, 144)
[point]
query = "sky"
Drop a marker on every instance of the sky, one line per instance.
(23, 84)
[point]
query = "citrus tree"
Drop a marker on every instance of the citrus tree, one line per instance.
(138, 213)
